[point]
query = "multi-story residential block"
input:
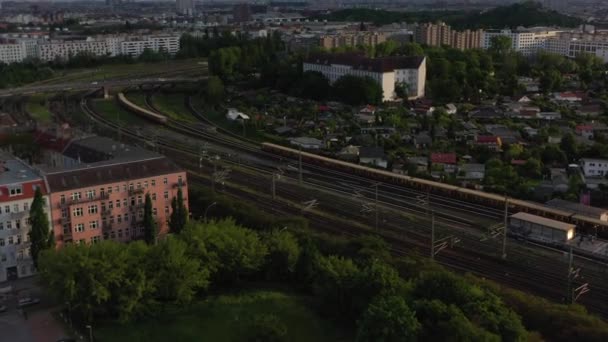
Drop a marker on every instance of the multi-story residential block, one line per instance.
(12, 51)
(594, 167)
(107, 202)
(18, 184)
(351, 39)
(442, 34)
(64, 49)
(387, 71)
(135, 46)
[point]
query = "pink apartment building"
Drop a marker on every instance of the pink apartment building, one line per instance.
(92, 203)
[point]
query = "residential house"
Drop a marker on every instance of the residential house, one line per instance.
(373, 156)
(549, 116)
(471, 171)
(590, 110)
(422, 140)
(486, 113)
(444, 161)
(585, 131)
(307, 143)
(234, 115)
(349, 153)
(569, 96)
(492, 142)
(421, 164)
(379, 131)
(592, 167)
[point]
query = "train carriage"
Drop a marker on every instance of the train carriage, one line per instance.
(144, 113)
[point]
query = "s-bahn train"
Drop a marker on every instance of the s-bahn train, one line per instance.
(144, 113)
(585, 224)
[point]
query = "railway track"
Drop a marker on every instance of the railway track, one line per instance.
(540, 277)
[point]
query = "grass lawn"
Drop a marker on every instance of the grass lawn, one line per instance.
(113, 112)
(226, 318)
(172, 105)
(172, 68)
(38, 110)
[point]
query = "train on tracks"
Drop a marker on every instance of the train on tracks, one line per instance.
(142, 112)
(585, 224)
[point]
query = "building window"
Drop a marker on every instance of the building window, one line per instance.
(62, 199)
(146, 184)
(110, 205)
(93, 225)
(166, 210)
(79, 228)
(75, 196)
(112, 219)
(126, 217)
(179, 180)
(138, 185)
(154, 196)
(1, 225)
(117, 188)
(153, 182)
(15, 191)
(165, 180)
(66, 229)
(95, 239)
(139, 199)
(102, 192)
(77, 212)
(9, 224)
(131, 187)
(17, 224)
(119, 218)
(1, 242)
(16, 208)
(10, 240)
(166, 195)
(109, 190)
(91, 194)
(26, 206)
(18, 242)
(124, 202)
(124, 187)
(7, 209)
(154, 211)
(93, 209)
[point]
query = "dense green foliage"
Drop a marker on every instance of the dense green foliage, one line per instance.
(149, 223)
(16, 74)
(357, 90)
(520, 14)
(179, 212)
(41, 236)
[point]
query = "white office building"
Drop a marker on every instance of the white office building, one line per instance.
(594, 167)
(65, 49)
(528, 41)
(18, 183)
(387, 71)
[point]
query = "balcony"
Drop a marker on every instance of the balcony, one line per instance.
(179, 184)
(85, 199)
(136, 191)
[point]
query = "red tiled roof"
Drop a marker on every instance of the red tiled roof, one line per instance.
(48, 140)
(581, 128)
(443, 158)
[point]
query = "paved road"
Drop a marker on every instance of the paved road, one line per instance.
(28, 90)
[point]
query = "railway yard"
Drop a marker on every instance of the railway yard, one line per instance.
(465, 233)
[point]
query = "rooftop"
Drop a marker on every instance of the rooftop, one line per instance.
(443, 158)
(16, 171)
(359, 61)
(543, 221)
(110, 173)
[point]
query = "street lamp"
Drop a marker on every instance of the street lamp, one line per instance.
(90, 327)
(207, 209)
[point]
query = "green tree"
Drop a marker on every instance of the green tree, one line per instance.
(179, 213)
(500, 46)
(356, 90)
(314, 85)
(215, 90)
(388, 318)
(149, 223)
(177, 277)
(41, 237)
(283, 253)
(569, 146)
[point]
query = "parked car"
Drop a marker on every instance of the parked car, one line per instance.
(27, 301)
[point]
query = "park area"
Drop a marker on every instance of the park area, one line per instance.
(229, 318)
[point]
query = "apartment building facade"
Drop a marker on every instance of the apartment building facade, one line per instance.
(387, 71)
(12, 51)
(527, 41)
(442, 34)
(18, 184)
(351, 39)
(594, 167)
(107, 202)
